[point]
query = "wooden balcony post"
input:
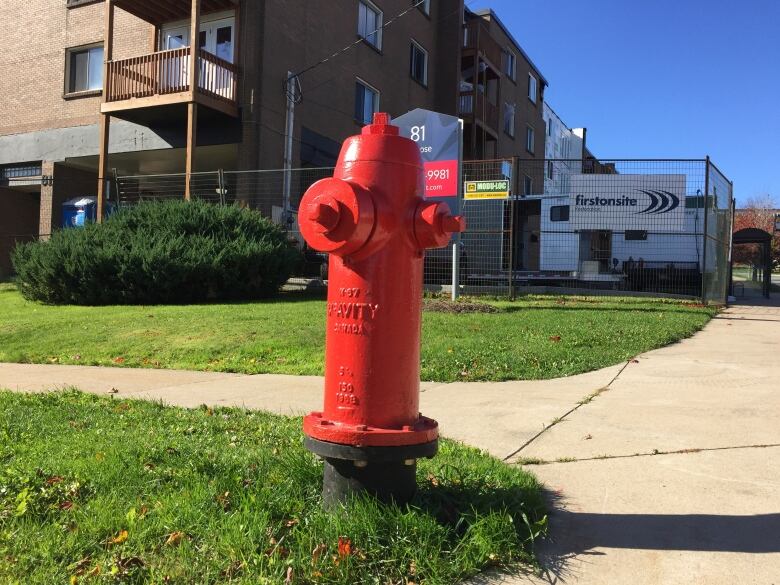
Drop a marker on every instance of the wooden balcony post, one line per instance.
(192, 130)
(192, 107)
(105, 119)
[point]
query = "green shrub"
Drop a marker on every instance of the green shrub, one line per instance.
(159, 253)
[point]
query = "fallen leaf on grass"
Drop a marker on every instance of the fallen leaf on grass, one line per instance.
(119, 360)
(120, 538)
(317, 553)
(289, 579)
(223, 500)
(175, 538)
(345, 547)
(66, 505)
(54, 479)
(555, 338)
(233, 570)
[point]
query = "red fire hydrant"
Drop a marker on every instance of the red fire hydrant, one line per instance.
(371, 219)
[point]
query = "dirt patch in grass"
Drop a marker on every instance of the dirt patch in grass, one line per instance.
(456, 307)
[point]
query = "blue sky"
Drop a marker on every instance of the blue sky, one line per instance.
(663, 78)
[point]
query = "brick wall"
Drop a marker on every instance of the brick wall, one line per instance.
(18, 223)
(36, 36)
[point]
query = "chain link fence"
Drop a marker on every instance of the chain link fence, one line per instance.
(653, 227)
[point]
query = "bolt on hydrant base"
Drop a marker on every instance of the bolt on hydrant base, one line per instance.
(372, 220)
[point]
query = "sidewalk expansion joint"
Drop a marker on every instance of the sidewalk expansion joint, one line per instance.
(587, 400)
(654, 452)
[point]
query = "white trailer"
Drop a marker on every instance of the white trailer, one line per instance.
(608, 223)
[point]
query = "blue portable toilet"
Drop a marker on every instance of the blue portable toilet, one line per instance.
(75, 212)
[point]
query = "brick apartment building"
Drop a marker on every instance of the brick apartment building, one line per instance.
(85, 77)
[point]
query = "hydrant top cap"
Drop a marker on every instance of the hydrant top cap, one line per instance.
(381, 125)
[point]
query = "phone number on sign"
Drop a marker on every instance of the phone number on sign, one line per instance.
(440, 174)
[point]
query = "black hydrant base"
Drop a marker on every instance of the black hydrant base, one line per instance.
(387, 473)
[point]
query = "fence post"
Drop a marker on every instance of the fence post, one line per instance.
(455, 271)
(512, 198)
(704, 238)
(221, 183)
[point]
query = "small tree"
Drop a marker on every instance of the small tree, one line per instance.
(758, 212)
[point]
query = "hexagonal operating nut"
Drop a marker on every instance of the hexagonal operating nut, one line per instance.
(324, 213)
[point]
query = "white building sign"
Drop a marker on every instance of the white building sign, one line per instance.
(655, 203)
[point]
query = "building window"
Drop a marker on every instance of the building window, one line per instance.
(549, 127)
(509, 119)
(528, 185)
(529, 139)
(510, 64)
(419, 64)
(635, 235)
(423, 5)
(559, 213)
(370, 23)
(84, 67)
(550, 169)
(533, 87)
(366, 102)
(20, 170)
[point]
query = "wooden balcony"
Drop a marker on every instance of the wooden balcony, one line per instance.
(162, 78)
(159, 12)
(478, 40)
(485, 113)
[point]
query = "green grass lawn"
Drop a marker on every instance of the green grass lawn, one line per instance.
(533, 337)
(95, 490)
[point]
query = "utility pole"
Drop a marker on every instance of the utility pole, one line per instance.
(292, 94)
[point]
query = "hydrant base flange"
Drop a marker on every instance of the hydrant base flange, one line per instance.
(315, 425)
(371, 454)
(387, 473)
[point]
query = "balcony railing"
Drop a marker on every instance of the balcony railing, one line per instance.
(484, 111)
(167, 72)
(477, 36)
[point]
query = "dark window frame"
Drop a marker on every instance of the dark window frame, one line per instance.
(560, 215)
(379, 26)
(635, 235)
(416, 47)
(364, 85)
(70, 90)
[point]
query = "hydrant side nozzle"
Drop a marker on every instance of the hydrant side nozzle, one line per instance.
(434, 225)
(454, 224)
(337, 216)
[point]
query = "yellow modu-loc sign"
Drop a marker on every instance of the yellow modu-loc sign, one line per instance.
(486, 190)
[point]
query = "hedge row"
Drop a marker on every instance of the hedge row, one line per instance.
(155, 253)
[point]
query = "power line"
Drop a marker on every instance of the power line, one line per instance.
(357, 42)
(295, 94)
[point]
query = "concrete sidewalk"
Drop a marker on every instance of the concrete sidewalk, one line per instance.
(662, 471)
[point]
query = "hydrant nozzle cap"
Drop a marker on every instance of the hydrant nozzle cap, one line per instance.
(325, 214)
(381, 125)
